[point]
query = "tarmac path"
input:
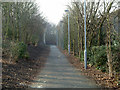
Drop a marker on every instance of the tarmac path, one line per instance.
(59, 73)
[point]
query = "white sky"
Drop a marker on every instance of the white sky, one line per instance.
(53, 10)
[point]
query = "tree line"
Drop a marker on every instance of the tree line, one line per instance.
(22, 24)
(103, 40)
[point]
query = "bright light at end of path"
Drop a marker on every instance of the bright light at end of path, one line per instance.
(53, 10)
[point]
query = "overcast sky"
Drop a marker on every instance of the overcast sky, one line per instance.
(53, 10)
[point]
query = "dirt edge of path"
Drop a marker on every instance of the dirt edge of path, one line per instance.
(22, 73)
(102, 79)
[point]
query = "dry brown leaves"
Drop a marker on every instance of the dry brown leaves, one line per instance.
(101, 78)
(18, 75)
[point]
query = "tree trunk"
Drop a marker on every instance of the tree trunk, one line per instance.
(109, 57)
(109, 53)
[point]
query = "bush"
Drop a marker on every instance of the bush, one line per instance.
(19, 51)
(116, 57)
(97, 56)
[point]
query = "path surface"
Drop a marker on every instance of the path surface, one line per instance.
(59, 73)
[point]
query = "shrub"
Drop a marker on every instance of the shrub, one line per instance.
(116, 57)
(97, 56)
(19, 51)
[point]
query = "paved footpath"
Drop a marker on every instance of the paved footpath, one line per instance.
(59, 73)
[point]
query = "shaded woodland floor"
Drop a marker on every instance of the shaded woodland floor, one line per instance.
(18, 75)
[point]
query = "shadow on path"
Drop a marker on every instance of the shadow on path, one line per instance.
(59, 73)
